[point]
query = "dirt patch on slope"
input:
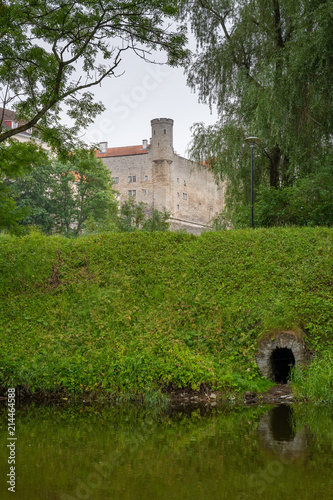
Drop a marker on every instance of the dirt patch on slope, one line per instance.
(280, 393)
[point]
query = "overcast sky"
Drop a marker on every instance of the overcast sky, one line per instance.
(146, 91)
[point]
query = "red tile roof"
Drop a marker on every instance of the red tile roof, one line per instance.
(123, 151)
(7, 117)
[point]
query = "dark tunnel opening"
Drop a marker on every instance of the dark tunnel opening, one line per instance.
(282, 360)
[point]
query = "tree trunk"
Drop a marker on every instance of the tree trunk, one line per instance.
(286, 178)
(275, 157)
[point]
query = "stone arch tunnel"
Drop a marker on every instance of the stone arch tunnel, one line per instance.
(278, 353)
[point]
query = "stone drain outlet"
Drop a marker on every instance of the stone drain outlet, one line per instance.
(278, 353)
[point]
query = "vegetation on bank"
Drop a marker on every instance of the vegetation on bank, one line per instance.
(135, 313)
(316, 382)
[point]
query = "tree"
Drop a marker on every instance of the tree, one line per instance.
(267, 65)
(53, 52)
(308, 203)
(10, 215)
(158, 221)
(15, 159)
(62, 196)
(132, 215)
(137, 216)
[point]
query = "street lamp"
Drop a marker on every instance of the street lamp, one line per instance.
(252, 141)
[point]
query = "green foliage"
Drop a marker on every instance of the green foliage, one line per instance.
(125, 313)
(309, 202)
(234, 216)
(16, 159)
(315, 382)
(62, 195)
(267, 67)
(134, 216)
(109, 224)
(39, 61)
(157, 221)
(10, 215)
(71, 195)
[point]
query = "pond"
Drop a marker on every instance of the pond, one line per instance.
(194, 453)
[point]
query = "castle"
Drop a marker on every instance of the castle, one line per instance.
(154, 174)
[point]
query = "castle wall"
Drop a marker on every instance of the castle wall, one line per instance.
(195, 197)
(138, 166)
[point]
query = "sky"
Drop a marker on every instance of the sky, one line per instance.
(146, 91)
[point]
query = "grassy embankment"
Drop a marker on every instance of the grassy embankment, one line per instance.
(132, 313)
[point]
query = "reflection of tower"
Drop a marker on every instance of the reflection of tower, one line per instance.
(162, 153)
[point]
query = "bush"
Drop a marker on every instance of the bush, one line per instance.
(308, 203)
(315, 383)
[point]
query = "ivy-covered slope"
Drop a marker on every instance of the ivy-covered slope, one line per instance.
(129, 313)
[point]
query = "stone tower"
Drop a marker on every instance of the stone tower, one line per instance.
(162, 139)
(162, 156)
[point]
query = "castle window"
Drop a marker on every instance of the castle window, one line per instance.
(132, 192)
(164, 131)
(146, 177)
(115, 180)
(184, 183)
(178, 194)
(184, 196)
(177, 207)
(177, 179)
(132, 178)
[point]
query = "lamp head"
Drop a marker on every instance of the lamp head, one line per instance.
(252, 140)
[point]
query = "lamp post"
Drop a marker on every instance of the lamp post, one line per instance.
(252, 141)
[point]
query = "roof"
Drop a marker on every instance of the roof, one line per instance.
(124, 151)
(7, 117)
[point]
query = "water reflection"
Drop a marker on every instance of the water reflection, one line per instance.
(277, 433)
(281, 423)
(196, 453)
